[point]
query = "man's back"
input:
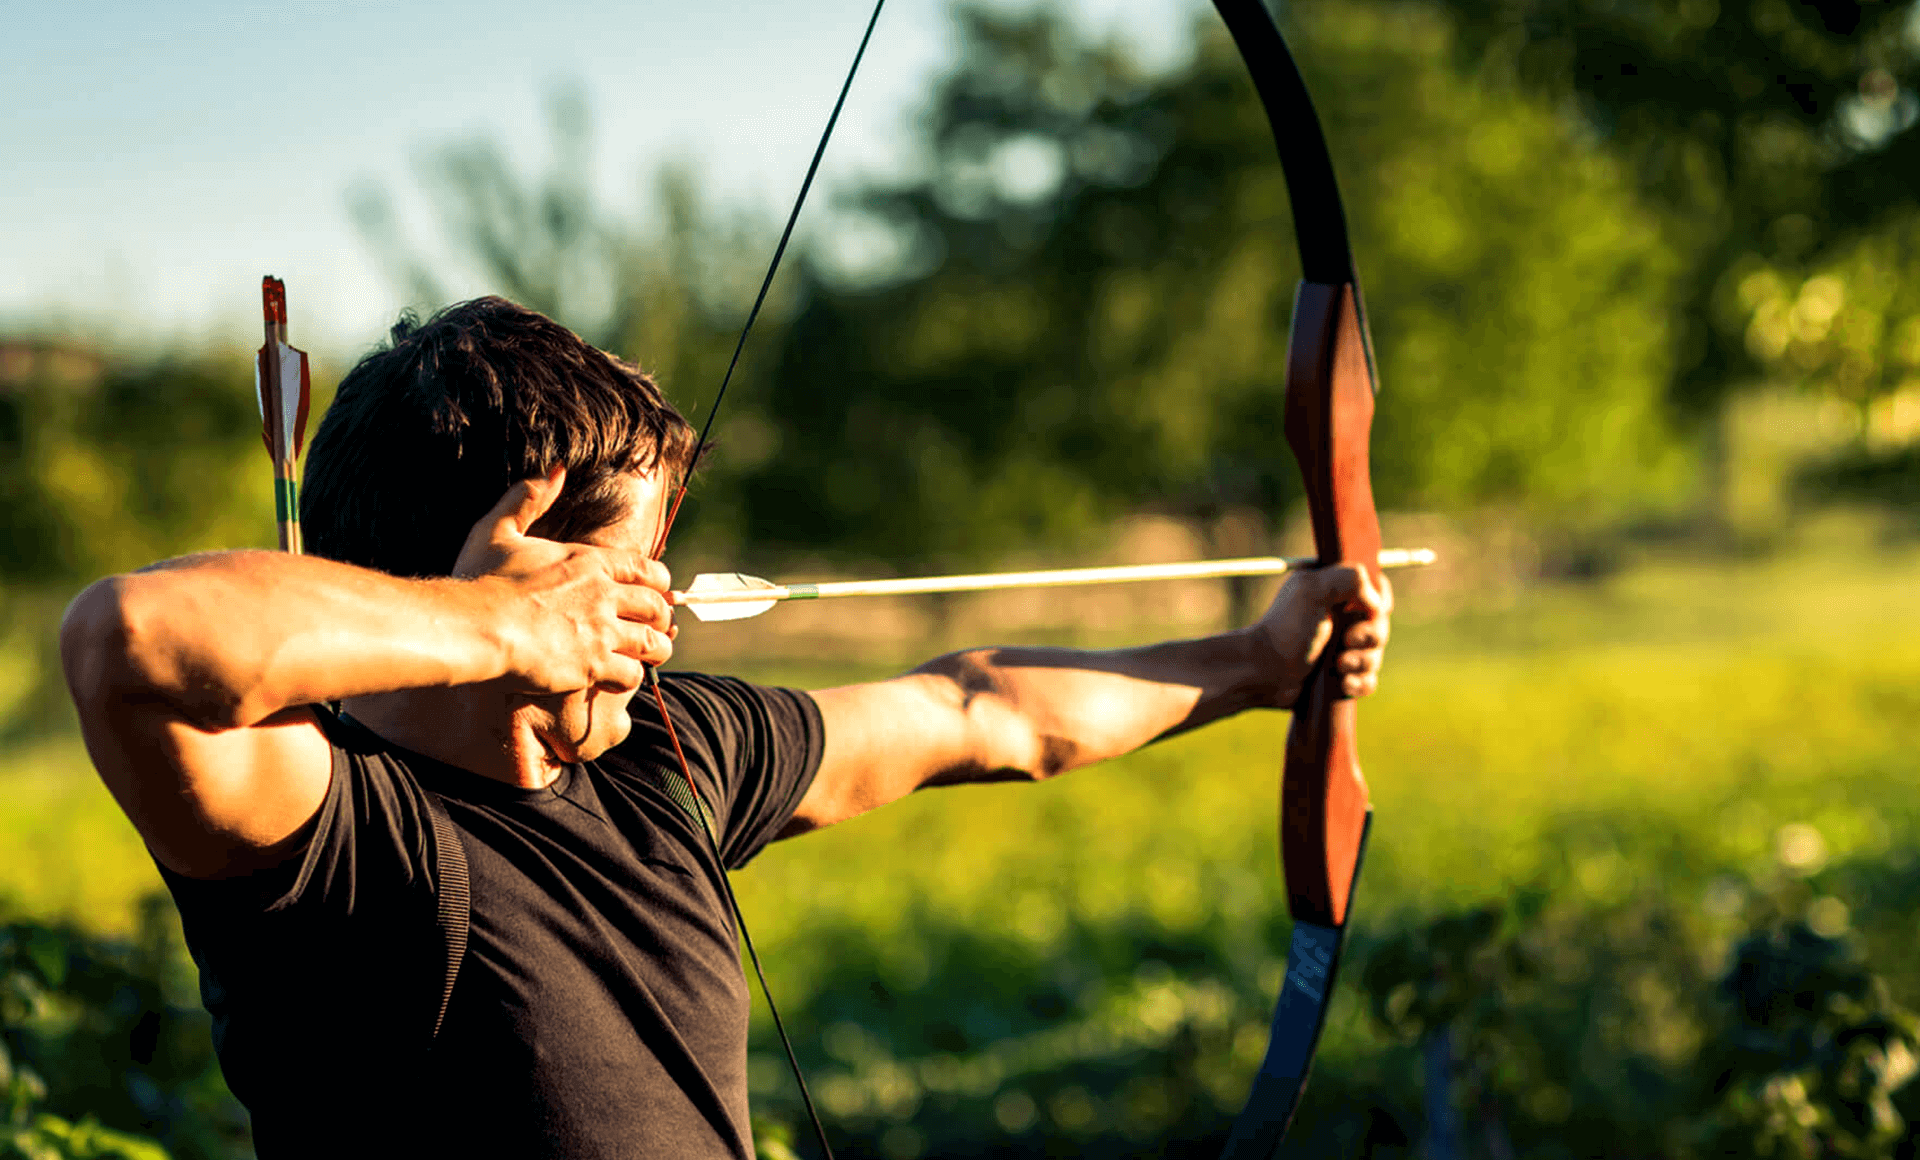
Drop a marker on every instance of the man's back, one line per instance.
(599, 1007)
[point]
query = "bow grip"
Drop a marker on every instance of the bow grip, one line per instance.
(1329, 419)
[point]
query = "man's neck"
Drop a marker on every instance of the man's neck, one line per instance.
(452, 726)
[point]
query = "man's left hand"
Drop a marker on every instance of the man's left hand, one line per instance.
(1299, 626)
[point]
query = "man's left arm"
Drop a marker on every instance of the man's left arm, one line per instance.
(1026, 714)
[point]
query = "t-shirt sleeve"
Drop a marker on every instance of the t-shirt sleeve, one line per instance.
(753, 750)
(368, 848)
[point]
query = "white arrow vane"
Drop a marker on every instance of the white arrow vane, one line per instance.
(737, 596)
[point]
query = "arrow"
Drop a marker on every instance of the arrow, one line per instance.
(283, 389)
(737, 596)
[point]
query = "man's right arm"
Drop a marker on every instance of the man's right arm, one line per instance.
(191, 677)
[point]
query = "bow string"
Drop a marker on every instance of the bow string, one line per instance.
(660, 547)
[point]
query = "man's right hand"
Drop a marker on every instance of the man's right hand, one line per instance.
(193, 679)
(579, 616)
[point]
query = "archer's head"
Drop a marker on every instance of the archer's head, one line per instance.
(426, 434)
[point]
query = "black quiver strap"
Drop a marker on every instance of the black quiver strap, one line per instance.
(453, 901)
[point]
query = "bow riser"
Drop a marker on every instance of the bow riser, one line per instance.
(1329, 421)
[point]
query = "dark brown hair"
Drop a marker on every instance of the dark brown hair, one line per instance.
(426, 434)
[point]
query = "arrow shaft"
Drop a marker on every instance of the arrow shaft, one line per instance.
(1053, 578)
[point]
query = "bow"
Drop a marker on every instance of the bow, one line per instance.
(1324, 813)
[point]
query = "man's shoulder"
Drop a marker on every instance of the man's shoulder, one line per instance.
(728, 718)
(750, 750)
(720, 693)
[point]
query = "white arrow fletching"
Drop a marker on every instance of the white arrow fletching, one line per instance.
(708, 583)
(293, 378)
(293, 375)
(259, 380)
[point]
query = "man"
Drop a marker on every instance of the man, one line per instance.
(483, 502)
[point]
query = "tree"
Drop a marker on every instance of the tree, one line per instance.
(1777, 133)
(1087, 309)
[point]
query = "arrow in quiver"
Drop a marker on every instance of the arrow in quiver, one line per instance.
(283, 388)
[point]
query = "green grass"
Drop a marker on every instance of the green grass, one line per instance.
(1714, 702)
(1651, 735)
(1699, 707)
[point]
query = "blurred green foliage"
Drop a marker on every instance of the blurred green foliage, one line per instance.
(1778, 140)
(1733, 1021)
(1091, 313)
(1772, 133)
(1635, 776)
(109, 464)
(108, 1032)
(1579, 239)
(1847, 331)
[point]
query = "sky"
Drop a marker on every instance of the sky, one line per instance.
(157, 159)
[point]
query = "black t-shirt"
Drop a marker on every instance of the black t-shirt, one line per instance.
(600, 1009)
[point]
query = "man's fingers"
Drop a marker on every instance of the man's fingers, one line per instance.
(645, 606)
(1349, 586)
(1339, 608)
(642, 602)
(641, 597)
(622, 675)
(521, 504)
(535, 495)
(1358, 660)
(624, 670)
(638, 568)
(1363, 644)
(1368, 633)
(645, 643)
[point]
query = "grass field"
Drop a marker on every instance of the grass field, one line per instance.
(1715, 703)
(1702, 708)
(986, 959)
